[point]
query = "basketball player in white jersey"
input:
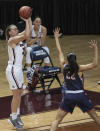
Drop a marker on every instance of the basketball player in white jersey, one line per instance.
(14, 72)
(38, 37)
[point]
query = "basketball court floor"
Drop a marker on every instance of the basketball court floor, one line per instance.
(39, 110)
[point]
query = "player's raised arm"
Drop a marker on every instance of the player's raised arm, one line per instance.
(43, 38)
(61, 56)
(93, 45)
(17, 38)
(30, 27)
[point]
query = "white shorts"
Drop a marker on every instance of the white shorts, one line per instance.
(15, 77)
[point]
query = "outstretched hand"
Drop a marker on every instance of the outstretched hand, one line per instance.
(24, 19)
(93, 44)
(56, 32)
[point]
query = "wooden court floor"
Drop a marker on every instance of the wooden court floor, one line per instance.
(41, 121)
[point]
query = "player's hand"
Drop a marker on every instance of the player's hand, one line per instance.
(23, 19)
(93, 44)
(37, 37)
(57, 33)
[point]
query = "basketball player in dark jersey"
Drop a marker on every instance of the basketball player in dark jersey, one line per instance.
(73, 84)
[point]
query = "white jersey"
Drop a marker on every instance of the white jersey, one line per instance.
(16, 54)
(40, 34)
(14, 71)
(28, 49)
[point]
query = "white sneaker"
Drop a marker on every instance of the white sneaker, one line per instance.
(99, 82)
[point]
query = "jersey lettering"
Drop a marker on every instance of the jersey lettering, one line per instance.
(70, 78)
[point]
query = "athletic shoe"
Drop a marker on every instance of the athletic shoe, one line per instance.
(15, 123)
(19, 120)
(36, 91)
(99, 82)
(25, 70)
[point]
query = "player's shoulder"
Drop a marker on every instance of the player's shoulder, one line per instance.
(43, 28)
(10, 40)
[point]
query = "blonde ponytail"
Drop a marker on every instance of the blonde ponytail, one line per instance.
(7, 32)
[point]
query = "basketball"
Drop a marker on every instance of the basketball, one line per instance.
(25, 12)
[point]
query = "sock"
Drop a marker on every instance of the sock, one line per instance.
(28, 68)
(14, 116)
(18, 111)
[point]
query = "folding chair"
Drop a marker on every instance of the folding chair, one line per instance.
(45, 76)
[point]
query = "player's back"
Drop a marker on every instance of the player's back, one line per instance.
(74, 82)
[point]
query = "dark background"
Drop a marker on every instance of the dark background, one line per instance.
(73, 16)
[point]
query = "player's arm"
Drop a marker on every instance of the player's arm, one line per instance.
(43, 38)
(30, 27)
(61, 56)
(22, 33)
(93, 44)
(16, 39)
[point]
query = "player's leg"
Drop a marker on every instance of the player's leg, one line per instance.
(14, 106)
(60, 115)
(20, 80)
(65, 107)
(46, 60)
(28, 59)
(86, 105)
(18, 109)
(14, 90)
(15, 80)
(92, 113)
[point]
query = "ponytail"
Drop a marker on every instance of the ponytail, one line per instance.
(7, 32)
(73, 66)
